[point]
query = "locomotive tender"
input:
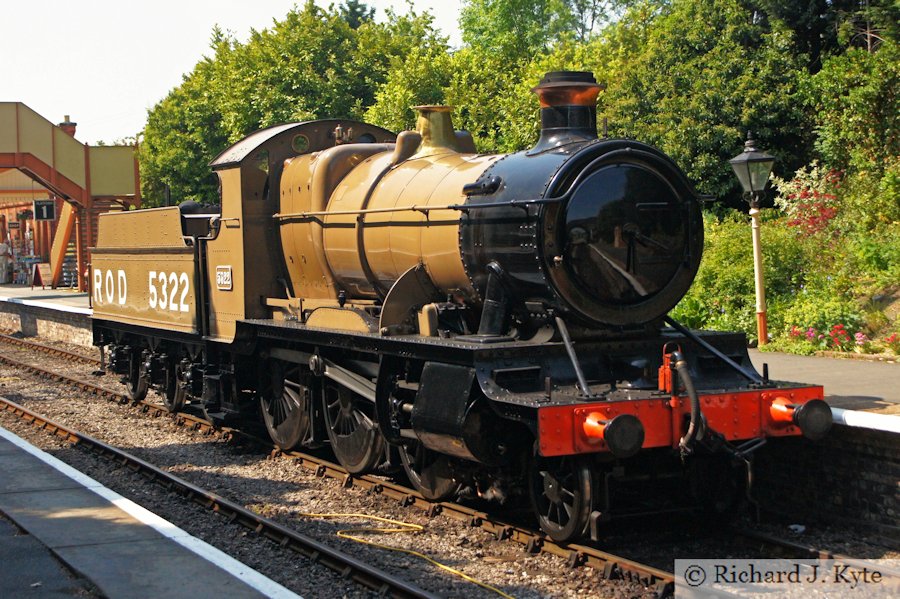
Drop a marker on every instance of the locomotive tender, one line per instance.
(493, 324)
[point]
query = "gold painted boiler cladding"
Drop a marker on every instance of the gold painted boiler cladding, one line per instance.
(394, 241)
(377, 214)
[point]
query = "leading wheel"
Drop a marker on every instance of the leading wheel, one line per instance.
(428, 471)
(285, 406)
(560, 491)
(137, 384)
(355, 439)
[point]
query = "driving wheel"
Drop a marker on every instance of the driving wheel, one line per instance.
(176, 395)
(137, 383)
(355, 439)
(285, 405)
(428, 471)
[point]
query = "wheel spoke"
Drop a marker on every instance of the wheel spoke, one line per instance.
(420, 458)
(561, 496)
(285, 409)
(357, 447)
(291, 399)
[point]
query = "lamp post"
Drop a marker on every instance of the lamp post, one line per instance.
(752, 168)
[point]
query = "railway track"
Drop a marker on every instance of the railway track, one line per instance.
(382, 582)
(48, 349)
(793, 549)
(608, 565)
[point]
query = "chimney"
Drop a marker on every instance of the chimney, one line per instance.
(436, 129)
(68, 126)
(568, 108)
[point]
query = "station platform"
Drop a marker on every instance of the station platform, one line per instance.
(110, 543)
(54, 314)
(63, 300)
(850, 384)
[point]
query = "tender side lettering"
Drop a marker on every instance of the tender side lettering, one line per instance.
(163, 291)
(110, 287)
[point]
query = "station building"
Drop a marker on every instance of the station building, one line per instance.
(52, 187)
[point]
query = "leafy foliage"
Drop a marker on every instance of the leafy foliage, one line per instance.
(815, 80)
(312, 64)
(809, 200)
(855, 98)
(356, 13)
(695, 95)
(513, 29)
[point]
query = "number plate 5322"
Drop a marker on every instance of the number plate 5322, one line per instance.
(223, 278)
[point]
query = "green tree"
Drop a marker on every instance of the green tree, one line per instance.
(590, 16)
(183, 133)
(514, 29)
(417, 79)
(695, 95)
(311, 64)
(356, 13)
(854, 99)
(870, 24)
(825, 27)
(814, 24)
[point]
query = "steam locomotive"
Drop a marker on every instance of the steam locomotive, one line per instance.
(494, 325)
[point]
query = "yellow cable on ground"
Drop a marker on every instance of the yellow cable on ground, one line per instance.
(400, 528)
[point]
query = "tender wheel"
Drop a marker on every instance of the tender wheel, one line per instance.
(428, 471)
(355, 439)
(137, 384)
(285, 406)
(561, 496)
(175, 396)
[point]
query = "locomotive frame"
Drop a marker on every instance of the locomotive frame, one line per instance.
(492, 325)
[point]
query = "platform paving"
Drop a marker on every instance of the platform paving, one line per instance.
(866, 385)
(123, 550)
(59, 299)
(30, 569)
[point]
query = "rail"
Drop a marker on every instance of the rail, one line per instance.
(362, 573)
(609, 565)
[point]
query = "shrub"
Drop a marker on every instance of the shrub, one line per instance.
(810, 199)
(722, 294)
(820, 311)
(892, 343)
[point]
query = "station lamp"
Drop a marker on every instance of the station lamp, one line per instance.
(753, 168)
